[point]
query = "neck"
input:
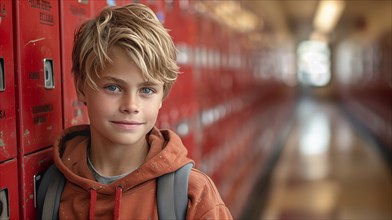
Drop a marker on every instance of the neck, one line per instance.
(113, 160)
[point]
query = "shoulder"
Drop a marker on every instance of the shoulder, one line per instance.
(204, 198)
(200, 183)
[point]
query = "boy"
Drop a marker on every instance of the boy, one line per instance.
(124, 66)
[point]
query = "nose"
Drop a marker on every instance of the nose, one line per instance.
(129, 104)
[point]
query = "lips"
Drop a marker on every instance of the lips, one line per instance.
(127, 124)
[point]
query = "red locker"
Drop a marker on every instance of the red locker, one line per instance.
(72, 14)
(9, 199)
(180, 21)
(7, 88)
(38, 73)
(156, 6)
(164, 119)
(186, 127)
(32, 167)
(98, 5)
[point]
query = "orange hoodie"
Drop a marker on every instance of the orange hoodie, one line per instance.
(134, 196)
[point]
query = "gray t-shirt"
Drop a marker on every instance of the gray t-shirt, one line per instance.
(101, 178)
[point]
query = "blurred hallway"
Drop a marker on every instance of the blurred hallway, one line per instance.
(326, 170)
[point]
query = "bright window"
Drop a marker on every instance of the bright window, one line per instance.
(314, 66)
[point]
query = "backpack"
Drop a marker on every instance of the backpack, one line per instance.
(172, 193)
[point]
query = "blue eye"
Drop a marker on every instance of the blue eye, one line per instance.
(147, 90)
(112, 88)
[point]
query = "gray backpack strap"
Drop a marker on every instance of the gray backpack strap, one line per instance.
(49, 193)
(172, 193)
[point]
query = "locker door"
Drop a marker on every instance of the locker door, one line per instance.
(72, 14)
(7, 88)
(38, 73)
(33, 166)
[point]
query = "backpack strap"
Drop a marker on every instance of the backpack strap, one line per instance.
(172, 193)
(49, 193)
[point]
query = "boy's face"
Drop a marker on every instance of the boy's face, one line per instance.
(126, 106)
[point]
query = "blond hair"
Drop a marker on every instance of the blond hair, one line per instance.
(134, 28)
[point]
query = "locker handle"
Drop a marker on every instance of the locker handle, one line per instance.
(48, 74)
(2, 75)
(4, 204)
(36, 181)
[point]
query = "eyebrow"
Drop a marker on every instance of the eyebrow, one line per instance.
(108, 78)
(120, 81)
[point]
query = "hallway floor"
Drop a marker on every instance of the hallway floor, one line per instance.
(327, 170)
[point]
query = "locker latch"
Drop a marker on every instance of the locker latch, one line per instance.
(36, 180)
(2, 75)
(48, 74)
(4, 204)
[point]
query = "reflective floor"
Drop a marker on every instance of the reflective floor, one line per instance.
(327, 170)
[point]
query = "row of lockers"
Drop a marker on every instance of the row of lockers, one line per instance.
(228, 117)
(368, 92)
(215, 105)
(30, 33)
(37, 99)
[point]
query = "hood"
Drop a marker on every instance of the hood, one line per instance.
(166, 154)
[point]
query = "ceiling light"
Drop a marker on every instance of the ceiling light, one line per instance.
(327, 15)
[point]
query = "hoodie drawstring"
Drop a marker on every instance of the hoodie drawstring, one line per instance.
(119, 190)
(93, 200)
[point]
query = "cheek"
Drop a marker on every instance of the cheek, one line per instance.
(98, 104)
(153, 109)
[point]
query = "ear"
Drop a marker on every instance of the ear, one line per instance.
(80, 92)
(160, 105)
